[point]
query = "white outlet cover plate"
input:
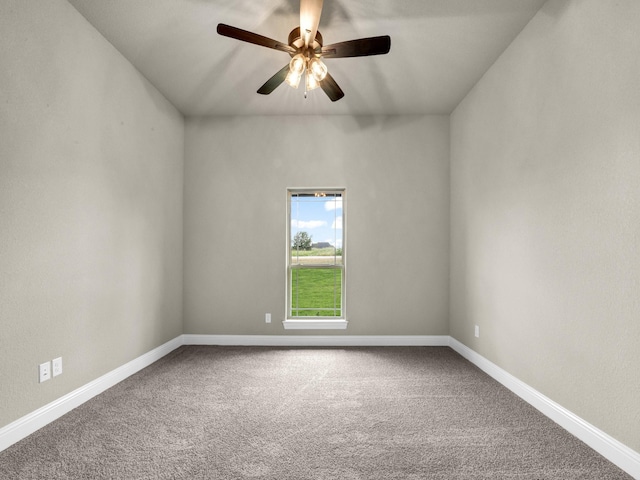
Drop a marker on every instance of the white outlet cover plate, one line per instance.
(45, 371)
(57, 366)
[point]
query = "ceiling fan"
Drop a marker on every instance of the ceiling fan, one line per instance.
(306, 49)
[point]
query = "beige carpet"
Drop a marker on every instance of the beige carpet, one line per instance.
(287, 413)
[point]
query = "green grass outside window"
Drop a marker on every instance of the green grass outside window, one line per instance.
(316, 289)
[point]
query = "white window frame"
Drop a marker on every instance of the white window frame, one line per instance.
(315, 323)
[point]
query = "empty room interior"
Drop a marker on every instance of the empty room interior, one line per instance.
(478, 163)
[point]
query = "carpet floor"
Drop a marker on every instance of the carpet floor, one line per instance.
(206, 412)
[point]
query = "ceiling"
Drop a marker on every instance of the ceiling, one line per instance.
(439, 50)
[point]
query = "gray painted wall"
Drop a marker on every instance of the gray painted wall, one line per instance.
(91, 177)
(396, 174)
(545, 170)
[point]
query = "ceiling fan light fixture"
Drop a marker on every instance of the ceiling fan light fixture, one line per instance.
(297, 64)
(306, 47)
(311, 82)
(293, 79)
(318, 69)
(296, 69)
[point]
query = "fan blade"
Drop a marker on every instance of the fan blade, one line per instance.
(358, 48)
(274, 82)
(310, 11)
(331, 88)
(250, 37)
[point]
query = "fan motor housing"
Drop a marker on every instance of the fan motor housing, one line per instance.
(295, 39)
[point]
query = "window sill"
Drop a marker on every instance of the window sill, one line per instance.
(315, 324)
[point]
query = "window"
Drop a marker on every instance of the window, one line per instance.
(315, 258)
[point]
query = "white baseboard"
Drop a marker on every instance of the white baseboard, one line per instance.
(37, 419)
(319, 340)
(607, 446)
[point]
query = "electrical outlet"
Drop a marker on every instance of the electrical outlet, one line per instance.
(267, 318)
(477, 331)
(57, 366)
(45, 371)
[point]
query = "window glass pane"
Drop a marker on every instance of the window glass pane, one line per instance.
(316, 292)
(316, 229)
